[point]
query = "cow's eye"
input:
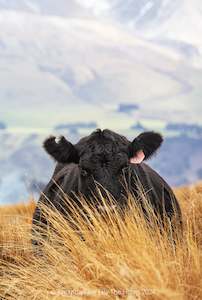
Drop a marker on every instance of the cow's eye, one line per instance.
(85, 172)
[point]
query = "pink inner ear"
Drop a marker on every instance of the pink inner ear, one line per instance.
(138, 158)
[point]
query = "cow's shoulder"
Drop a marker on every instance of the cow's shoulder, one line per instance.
(145, 172)
(65, 171)
(152, 182)
(65, 177)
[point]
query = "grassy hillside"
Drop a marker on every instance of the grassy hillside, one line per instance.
(119, 258)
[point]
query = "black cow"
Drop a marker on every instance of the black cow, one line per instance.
(111, 162)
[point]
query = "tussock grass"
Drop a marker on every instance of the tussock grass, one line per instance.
(117, 257)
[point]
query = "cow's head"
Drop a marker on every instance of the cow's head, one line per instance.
(103, 155)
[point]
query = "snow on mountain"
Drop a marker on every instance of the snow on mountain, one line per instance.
(171, 23)
(141, 14)
(83, 63)
(61, 8)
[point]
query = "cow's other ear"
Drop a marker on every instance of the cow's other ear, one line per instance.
(144, 146)
(62, 151)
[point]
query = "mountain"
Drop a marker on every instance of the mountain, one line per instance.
(79, 67)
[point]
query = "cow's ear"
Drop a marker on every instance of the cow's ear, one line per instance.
(62, 150)
(144, 146)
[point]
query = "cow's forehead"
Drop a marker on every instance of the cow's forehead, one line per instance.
(104, 136)
(102, 140)
(103, 146)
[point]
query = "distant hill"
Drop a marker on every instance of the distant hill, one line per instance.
(127, 108)
(180, 160)
(25, 167)
(2, 125)
(185, 129)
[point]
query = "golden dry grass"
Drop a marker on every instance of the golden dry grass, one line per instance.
(120, 259)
